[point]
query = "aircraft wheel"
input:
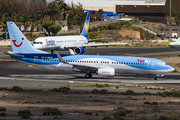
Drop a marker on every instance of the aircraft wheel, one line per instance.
(88, 75)
(155, 78)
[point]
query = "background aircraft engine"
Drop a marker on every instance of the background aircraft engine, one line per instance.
(106, 72)
(79, 50)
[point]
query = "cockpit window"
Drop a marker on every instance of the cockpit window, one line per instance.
(173, 40)
(37, 42)
(163, 64)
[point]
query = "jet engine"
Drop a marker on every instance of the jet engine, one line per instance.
(106, 72)
(79, 50)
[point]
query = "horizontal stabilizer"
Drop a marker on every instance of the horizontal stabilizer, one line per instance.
(12, 54)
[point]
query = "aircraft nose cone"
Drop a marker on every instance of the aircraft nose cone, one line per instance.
(170, 43)
(170, 69)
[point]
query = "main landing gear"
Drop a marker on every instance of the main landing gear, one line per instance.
(88, 74)
(52, 51)
(156, 78)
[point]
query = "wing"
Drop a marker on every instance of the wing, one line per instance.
(94, 45)
(102, 44)
(80, 67)
(51, 48)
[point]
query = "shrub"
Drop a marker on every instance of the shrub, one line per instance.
(103, 91)
(147, 102)
(146, 93)
(177, 65)
(101, 85)
(130, 92)
(171, 93)
(118, 118)
(163, 118)
(107, 118)
(154, 103)
(175, 93)
(2, 109)
(54, 90)
(17, 88)
(175, 71)
(49, 111)
(25, 114)
(2, 114)
(3, 88)
(117, 86)
(63, 89)
(95, 91)
(88, 113)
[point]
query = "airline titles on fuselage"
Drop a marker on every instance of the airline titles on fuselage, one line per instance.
(50, 42)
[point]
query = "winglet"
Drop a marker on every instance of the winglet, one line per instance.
(86, 26)
(60, 58)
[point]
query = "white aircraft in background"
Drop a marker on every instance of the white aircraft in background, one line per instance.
(106, 66)
(77, 43)
(175, 42)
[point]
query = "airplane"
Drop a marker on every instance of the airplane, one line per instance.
(106, 66)
(175, 42)
(75, 42)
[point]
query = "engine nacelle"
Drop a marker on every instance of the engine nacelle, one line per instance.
(106, 72)
(79, 50)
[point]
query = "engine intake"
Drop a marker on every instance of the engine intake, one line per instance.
(79, 50)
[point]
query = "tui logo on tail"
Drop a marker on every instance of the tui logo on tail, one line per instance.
(14, 41)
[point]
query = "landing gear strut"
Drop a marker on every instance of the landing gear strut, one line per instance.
(52, 51)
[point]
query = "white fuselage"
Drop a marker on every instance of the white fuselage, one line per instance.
(59, 42)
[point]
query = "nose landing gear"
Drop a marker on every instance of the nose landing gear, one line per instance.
(157, 76)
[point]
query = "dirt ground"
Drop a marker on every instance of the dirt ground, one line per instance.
(173, 61)
(74, 105)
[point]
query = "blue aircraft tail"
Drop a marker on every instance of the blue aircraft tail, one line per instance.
(19, 42)
(86, 26)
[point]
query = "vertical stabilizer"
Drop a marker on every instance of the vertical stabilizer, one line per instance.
(19, 42)
(86, 26)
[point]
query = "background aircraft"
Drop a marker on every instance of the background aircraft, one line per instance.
(102, 65)
(175, 42)
(75, 42)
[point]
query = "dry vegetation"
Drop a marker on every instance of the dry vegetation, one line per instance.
(173, 61)
(79, 105)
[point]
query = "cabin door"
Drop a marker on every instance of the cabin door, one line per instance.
(153, 65)
(35, 59)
